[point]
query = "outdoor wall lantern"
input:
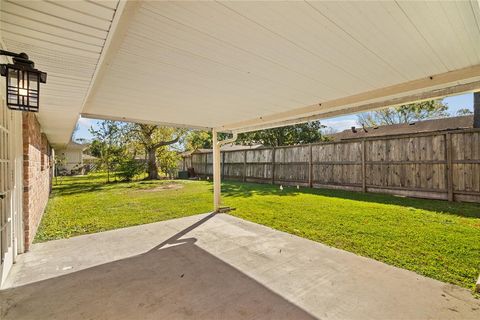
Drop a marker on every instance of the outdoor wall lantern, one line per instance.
(23, 82)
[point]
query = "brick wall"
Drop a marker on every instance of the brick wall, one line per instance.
(37, 175)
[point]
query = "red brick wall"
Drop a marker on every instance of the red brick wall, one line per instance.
(36, 173)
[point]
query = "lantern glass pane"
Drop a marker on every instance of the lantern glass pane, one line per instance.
(23, 84)
(33, 80)
(12, 86)
(33, 87)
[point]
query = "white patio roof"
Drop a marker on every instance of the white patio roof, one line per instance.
(238, 66)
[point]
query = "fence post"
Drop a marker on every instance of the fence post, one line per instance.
(310, 168)
(364, 167)
(448, 152)
(273, 165)
(223, 164)
(206, 165)
(244, 165)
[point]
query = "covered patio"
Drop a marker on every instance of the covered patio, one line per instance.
(215, 266)
(230, 67)
(235, 67)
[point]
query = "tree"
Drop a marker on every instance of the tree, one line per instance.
(107, 143)
(464, 112)
(201, 139)
(128, 168)
(151, 138)
(309, 132)
(95, 148)
(168, 160)
(296, 134)
(404, 114)
(60, 161)
(198, 140)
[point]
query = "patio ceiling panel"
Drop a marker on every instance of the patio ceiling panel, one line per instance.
(65, 39)
(236, 65)
(240, 65)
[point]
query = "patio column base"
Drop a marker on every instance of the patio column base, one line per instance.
(224, 209)
(477, 285)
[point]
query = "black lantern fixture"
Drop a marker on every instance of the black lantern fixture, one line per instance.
(23, 82)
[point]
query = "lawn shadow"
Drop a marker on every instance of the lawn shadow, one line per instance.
(85, 185)
(245, 190)
(73, 188)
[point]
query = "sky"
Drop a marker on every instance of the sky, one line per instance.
(338, 123)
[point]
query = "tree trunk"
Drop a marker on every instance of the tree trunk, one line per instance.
(108, 171)
(152, 164)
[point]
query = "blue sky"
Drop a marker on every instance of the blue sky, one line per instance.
(339, 123)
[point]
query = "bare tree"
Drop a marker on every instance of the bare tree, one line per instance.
(404, 114)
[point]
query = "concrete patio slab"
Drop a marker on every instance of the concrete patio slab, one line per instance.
(217, 267)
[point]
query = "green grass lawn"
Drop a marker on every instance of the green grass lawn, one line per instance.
(437, 239)
(86, 204)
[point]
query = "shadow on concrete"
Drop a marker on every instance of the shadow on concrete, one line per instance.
(175, 280)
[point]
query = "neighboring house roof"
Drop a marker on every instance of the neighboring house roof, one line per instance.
(235, 147)
(441, 124)
(227, 147)
(74, 145)
(88, 157)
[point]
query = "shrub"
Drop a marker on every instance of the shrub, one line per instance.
(129, 168)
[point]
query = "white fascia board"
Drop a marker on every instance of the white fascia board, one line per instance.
(424, 96)
(132, 120)
(436, 86)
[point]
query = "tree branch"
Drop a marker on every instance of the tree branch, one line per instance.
(166, 143)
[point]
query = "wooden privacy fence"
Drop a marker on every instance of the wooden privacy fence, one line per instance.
(437, 165)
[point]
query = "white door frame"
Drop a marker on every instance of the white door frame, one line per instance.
(12, 183)
(17, 188)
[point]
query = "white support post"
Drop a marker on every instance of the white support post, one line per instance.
(217, 179)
